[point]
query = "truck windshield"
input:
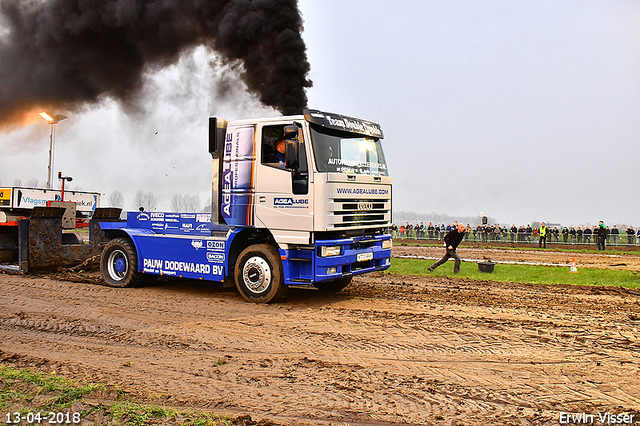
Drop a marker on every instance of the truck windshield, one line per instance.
(347, 152)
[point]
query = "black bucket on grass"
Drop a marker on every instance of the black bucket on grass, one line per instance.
(486, 267)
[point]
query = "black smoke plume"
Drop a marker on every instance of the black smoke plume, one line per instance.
(63, 54)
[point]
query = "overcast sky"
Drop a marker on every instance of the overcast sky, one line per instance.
(526, 111)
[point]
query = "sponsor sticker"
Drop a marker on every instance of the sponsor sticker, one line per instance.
(170, 267)
(5, 196)
(363, 191)
(203, 218)
(215, 245)
(213, 257)
(291, 203)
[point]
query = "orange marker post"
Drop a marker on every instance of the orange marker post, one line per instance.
(573, 268)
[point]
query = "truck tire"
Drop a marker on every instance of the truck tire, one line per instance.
(258, 274)
(333, 286)
(119, 264)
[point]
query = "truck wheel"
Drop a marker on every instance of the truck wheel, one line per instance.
(258, 274)
(119, 264)
(333, 286)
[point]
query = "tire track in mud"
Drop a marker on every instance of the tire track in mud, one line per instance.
(380, 352)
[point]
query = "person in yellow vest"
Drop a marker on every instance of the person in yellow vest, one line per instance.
(542, 235)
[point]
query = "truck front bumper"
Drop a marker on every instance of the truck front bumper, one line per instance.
(334, 259)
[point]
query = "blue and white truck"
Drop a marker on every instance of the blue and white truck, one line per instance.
(317, 213)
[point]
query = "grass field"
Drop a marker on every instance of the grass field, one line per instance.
(27, 397)
(520, 273)
(587, 249)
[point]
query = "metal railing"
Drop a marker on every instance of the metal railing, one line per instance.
(622, 239)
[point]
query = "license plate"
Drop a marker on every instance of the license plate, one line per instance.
(363, 257)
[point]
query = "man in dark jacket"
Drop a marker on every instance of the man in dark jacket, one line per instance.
(452, 240)
(614, 234)
(431, 230)
(630, 233)
(601, 236)
(514, 232)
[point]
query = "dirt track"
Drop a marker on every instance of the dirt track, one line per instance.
(387, 350)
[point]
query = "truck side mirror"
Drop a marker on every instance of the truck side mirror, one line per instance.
(292, 154)
(292, 148)
(290, 132)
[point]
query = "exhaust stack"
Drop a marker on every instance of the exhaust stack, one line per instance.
(217, 133)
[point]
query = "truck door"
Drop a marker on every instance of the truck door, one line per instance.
(284, 201)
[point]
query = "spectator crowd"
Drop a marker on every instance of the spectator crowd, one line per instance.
(626, 235)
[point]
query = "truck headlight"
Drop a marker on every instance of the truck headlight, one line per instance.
(386, 244)
(326, 251)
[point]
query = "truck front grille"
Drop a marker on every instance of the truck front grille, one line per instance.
(358, 213)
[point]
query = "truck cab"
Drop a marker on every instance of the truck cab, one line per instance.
(296, 200)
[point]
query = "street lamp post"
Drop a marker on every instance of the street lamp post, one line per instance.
(52, 119)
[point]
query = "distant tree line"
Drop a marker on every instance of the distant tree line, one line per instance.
(149, 202)
(185, 203)
(35, 183)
